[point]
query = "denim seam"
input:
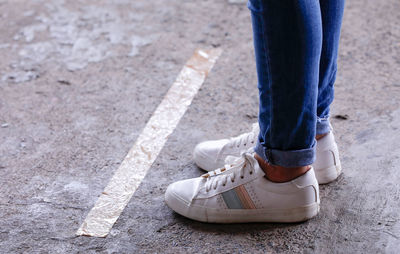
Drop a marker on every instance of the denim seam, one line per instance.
(268, 151)
(331, 82)
(332, 78)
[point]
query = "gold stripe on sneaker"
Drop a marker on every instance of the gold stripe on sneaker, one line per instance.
(244, 197)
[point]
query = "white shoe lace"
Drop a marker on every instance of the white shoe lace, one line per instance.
(221, 176)
(244, 139)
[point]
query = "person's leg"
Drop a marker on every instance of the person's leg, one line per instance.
(288, 39)
(332, 13)
(210, 155)
(288, 42)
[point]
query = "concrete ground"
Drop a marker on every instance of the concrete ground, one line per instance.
(79, 80)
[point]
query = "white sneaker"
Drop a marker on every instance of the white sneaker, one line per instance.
(210, 155)
(242, 194)
(327, 163)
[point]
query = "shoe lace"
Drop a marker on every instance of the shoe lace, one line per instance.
(242, 140)
(229, 172)
(245, 138)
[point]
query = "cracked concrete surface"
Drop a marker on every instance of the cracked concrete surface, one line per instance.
(79, 80)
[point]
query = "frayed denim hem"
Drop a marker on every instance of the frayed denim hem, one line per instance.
(323, 125)
(293, 158)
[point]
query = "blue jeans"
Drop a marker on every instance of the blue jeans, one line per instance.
(296, 47)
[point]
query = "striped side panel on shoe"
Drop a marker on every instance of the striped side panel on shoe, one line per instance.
(238, 198)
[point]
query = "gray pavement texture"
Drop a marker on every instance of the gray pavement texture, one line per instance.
(79, 79)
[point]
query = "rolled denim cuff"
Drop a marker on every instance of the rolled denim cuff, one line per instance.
(289, 159)
(323, 125)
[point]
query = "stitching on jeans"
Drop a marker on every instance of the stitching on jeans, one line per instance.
(265, 53)
(332, 78)
(268, 155)
(331, 83)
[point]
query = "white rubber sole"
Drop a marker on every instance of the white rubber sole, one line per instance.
(210, 215)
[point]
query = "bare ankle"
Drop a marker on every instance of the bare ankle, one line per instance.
(319, 136)
(280, 174)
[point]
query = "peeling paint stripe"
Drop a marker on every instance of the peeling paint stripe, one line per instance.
(148, 145)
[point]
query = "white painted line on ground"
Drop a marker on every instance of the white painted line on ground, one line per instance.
(148, 145)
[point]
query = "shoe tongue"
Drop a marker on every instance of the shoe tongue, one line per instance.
(246, 157)
(233, 163)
